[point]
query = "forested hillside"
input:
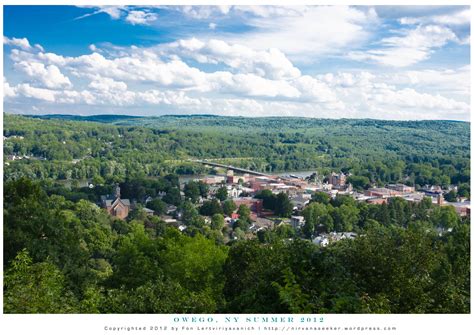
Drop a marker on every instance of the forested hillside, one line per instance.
(71, 257)
(65, 254)
(424, 152)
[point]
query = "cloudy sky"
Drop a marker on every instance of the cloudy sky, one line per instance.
(315, 61)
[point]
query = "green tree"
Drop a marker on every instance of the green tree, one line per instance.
(36, 288)
(229, 207)
(359, 182)
(189, 213)
(192, 191)
(158, 205)
(283, 206)
(321, 197)
(217, 222)
(451, 196)
(221, 193)
(210, 207)
(173, 196)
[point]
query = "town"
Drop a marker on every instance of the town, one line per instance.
(249, 203)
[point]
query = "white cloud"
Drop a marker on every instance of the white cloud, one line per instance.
(244, 81)
(253, 85)
(410, 98)
(413, 46)
(107, 85)
(34, 92)
(131, 14)
(453, 82)
(8, 91)
(201, 12)
(140, 17)
(307, 32)
(459, 18)
(50, 76)
(271, 63)
(115, 12)
(21, 43)
(212, 26)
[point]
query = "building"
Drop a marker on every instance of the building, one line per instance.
(255, 205)
(336, 179)
(377, 201)
(297, 221)
(462, 208)
(382, 192)
(116, 206)
(401, 188)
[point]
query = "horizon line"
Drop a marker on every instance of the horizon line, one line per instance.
(236, 116)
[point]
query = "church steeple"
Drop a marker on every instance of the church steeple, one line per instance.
(117, 191)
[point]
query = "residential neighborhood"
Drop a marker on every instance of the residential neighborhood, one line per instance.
(246, 190)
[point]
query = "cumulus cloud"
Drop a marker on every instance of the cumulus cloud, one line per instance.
(34, 92)
(271, 63)
(239, 80)
(21, 43)
(8, 91)
(50, 76)
(140, 17)
(107, 84)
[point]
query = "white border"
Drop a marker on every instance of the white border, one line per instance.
(95, 324)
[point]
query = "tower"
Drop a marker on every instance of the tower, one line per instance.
(440, 199)
(117, 191)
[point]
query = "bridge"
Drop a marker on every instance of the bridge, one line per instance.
(230, 167)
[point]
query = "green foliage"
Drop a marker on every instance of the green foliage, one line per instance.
(192, 191)
(211, 207)
(158, 205)
(321, 197)
(228, 207)
(217, 222)
(63, 254)
(316, 214)
(428, 152)
(35, 288)
(221, 193)
(359, 182)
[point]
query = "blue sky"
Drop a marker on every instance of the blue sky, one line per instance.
(381, 62)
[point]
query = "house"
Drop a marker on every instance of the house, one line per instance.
(322, 241)
(297, 221)
(234, 216)
(116, 206)
(300, 201)
(148, 211)
(171, 209)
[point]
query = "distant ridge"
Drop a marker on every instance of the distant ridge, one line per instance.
(114, 118)
(94, 118)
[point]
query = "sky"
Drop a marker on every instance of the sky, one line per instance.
(381, 62)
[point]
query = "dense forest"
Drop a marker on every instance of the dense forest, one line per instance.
(114, 148)
(71, 257)
(64, 254)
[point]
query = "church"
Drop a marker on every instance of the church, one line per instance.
(116, 206)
